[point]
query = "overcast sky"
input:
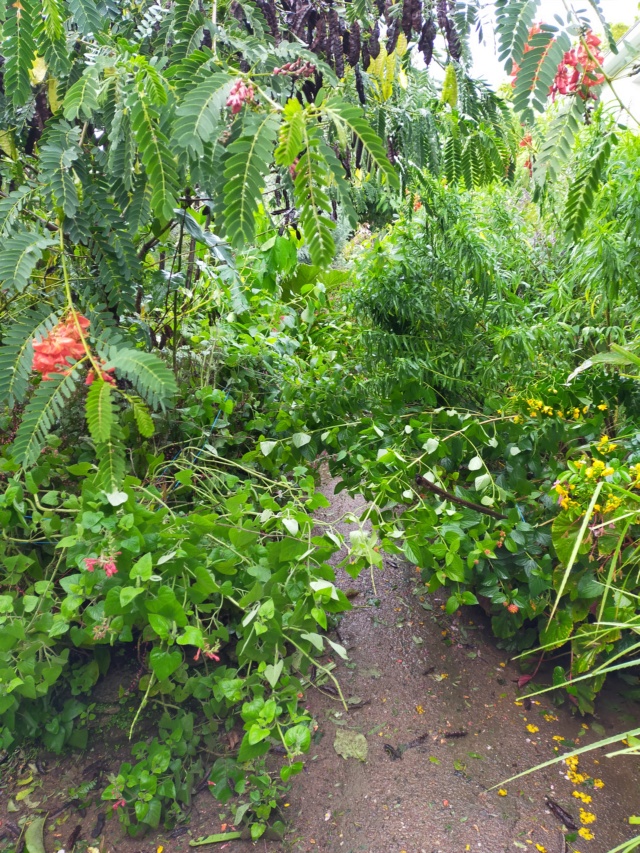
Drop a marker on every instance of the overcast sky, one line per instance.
(486, 63)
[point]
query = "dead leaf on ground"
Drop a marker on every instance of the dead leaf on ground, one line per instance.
(350, 744)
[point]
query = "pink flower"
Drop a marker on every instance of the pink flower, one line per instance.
(104, 562)
(197, 654)
(239, 93)
(118, 804)
(110, 568)
(212, 656)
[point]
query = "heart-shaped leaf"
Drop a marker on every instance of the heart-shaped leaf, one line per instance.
(164, 663)
(272, 672)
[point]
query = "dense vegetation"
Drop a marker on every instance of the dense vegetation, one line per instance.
(240, 238)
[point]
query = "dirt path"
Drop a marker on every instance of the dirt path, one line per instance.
(419, 673)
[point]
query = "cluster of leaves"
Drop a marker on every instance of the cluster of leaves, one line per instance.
(224, 605)
(142, 149)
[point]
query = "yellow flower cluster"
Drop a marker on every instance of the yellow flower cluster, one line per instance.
(586, 817)
(537, 406)
(612, 504)
(583, 832)
(564, 498)
(580, 795)
(597, 469)
(572, 773)
(605, 445)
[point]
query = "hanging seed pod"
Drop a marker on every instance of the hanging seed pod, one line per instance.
(393, 35)
(311, 25)
(360, 87)
(366, 56)
(416, 16)
(335, 42)
(299, 19)
(319, 43)
(448, 27)
(406, 17)
(374, 42)
(237, 12)
(391, 150)
(355, 44)
(346, 42)
(268, 9)
(427, 39)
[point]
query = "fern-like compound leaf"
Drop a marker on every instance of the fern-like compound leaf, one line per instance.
(16, 352)
(99, 411)
(19, 257)
(150, 376)
(11, 207)
(290, 134)
(41, 413)
(57, 157)
(247, 163)
(352, 117)
(537, 71)
(81, 99)
(111, 460)
(85, 16)
(313, 203)
(156, 158)
(583, 189)
(18, 49)
(144, 422)
(514, 19)
(558, 143)
(198, 118)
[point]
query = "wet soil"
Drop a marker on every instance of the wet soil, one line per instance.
(414, 675)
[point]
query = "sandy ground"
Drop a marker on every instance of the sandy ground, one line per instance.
(420, 674)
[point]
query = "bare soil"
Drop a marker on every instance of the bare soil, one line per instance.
(413, 672)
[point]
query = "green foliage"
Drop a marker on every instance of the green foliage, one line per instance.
(581, 194)
(16, 353)
(19, 48)
(42, 411)
(19, 257)
(153, 380)
(514, 19)
(538, 68)
(164, 170)
(244, 168)
(100, 414)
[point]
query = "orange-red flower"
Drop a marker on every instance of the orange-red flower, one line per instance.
(51, 355)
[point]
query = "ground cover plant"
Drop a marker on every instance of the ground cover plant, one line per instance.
(195, 313)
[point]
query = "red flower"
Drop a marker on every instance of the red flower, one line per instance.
(118, 804)
(577, 73)
(513, 608)
(51, 355)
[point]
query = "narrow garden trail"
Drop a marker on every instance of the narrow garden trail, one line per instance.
(420, 671)
(414, 675)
